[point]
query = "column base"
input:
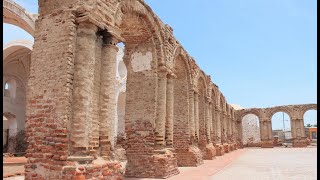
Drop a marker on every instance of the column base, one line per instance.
(209, 152)
(239, 145)
(267, 144)
(226, 148)
(233, 146)
(78, 168)
(161, 164)
(299, 143)
(219, 150)
(190, 157)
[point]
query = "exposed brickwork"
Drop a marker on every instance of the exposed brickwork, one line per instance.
(174, 115)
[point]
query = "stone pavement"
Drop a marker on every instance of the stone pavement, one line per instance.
(247, 164)
(272, 164)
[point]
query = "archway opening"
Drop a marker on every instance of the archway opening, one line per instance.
(251, 131)
(202, 105)
(142, 52)
(9, 133)
(310, 124)
(281, 127)
(181, 110)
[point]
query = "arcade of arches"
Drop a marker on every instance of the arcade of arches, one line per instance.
(87, 105)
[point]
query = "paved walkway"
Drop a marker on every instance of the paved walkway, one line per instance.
(247, 164)
(272, 164)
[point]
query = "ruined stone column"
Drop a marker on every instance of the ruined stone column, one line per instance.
(212, 125)
(265, 126)
(83, 87)
(170, 110)
(298, 133)
(192, 114)
(229, 128)
(162, 108)
(303, 132)
(107, 94)
(196, 114)
(208, 122)
(293, 129)
(224, 127)
(218, 126)
(239, 132)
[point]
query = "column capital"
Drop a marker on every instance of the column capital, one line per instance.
(171, 75)
(264, 119)
(87, 28)
(163, 71)
(109, 39)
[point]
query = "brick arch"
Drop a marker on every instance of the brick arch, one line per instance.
(307, 108)
(201, 80)
(16, 45)
(274, 110)
(246, 112)
(137, 23)
(223, 103)
(180, 53)
(16, 15)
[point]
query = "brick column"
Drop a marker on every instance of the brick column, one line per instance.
(192, 115)
(218, 126)
(107, 94)
(239, 133)
(223, 127)
(298, 133)
(212, 125)
(229, 128)
(265, 126)
(208, 122)
(83, 87)
(162, 108)
(170, 110)
(293, 129)
(196, 114)
(303, 132)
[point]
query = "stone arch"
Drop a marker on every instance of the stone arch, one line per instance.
(128, 16)
(307, 108)
(146, 85)
(286, 132)
(274, 110)
(248, 111)
(16, 15)
(16, 45)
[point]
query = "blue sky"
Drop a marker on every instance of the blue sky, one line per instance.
(261, 53)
